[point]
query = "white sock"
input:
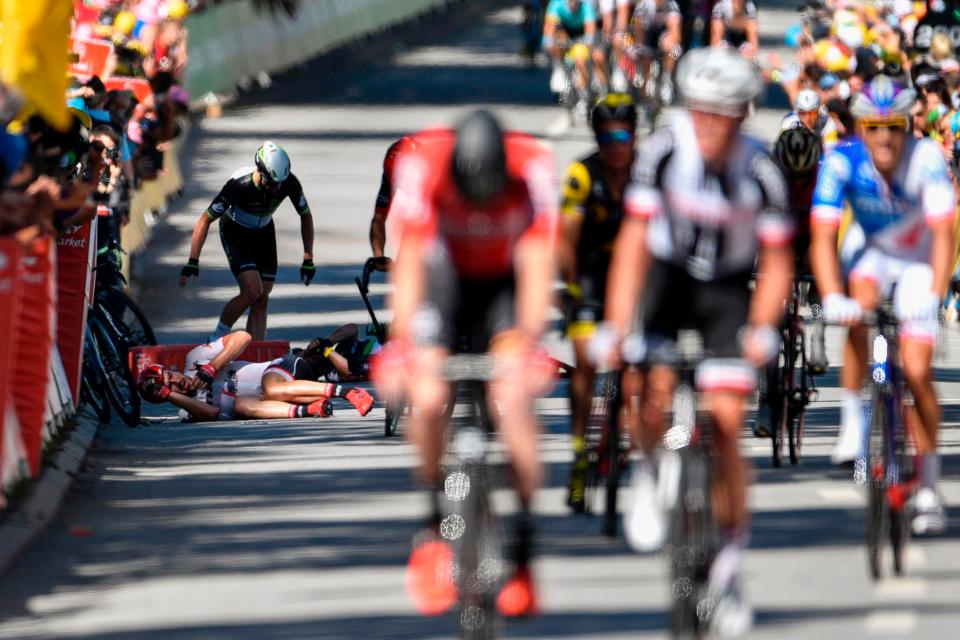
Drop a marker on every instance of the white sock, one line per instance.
(931, 470)
(851, 412)
(726, 565)
(221, 330)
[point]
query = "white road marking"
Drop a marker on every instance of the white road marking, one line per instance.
(559, 126)
(847, 496)
(901, 589)
(916, 558)
(888, 623)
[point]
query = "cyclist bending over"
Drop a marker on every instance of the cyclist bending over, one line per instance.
(245, 208)
(378, 225)
(904, 210)
(478, 212)
(572, 25)
(705, 201)
(592, 208)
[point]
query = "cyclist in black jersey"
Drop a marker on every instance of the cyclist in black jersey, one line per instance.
(245, 208)
(592, 208)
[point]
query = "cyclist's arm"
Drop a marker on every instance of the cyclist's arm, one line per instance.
(753, 35)
(199, 411)
(409, 278)
(826, 215)
(775, 269)
(716, 32)
(939, 200)
(378, 225)
(576, 189)
(534, 255)
(299, 201)
(629, 265)
(623, 17)
(942, 254)
(200, 231)
(674, 27)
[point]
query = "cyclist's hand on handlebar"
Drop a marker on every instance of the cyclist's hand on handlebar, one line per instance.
(307, 272)
(604, 347)
(381, 263)
(190, 270)
(839, 309)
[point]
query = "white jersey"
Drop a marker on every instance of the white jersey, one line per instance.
(712, 224)
(239, 378)
(606, 6)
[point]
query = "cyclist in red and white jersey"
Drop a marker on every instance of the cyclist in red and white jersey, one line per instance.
(216, 386)
(478, 214)
(706, 204)
(378, 225)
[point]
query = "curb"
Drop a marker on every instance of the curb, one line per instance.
(42, 504)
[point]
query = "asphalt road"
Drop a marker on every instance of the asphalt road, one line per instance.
(300, 529)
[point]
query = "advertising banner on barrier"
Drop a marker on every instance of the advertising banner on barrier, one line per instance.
(9, 315)
(140, 87)
(32, 345)
(75, 256)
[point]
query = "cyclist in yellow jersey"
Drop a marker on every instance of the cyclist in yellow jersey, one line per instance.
(592, 208)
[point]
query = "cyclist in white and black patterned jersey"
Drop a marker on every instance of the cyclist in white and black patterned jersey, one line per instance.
(706, 203)
(734, 24)
(657, 25)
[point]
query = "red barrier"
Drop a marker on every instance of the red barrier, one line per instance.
(9, 317)
(75, 256)
(92, 56)
(174, 356)
(34, 341)
(140, 88)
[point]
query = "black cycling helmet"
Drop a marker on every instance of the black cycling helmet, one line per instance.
(479, 163)
(614, 107)
(797, 151)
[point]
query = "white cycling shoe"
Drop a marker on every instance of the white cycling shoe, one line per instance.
(618, 81)
(732, 616)
(558, 80)
(645, 524)
(930, 518)
(849, 444)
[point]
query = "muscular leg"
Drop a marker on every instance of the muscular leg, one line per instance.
(518, 425)
(255, 408)
(278, 388)
(655, 400)
(600, 65)
(916, 357)
(257, 318)
(581, 389)
(727, 412)
(429, 395)
(251, 288)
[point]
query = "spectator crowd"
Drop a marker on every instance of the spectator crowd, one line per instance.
(123, 114)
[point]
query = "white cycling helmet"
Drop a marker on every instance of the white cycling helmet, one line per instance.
(807, 100)
(718, 81)
(273, 162)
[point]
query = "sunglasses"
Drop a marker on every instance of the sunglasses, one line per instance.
(894, 126)
(621, 136)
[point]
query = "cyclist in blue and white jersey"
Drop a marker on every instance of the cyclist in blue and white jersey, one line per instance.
(902, 235)
(573, 24)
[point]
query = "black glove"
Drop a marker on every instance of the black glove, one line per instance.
(192, 268)
(307, 272)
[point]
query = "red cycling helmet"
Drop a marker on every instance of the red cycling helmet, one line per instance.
(151, 384)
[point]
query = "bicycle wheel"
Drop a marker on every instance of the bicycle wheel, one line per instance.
(120, 387)
(92, 385)
(690, 546)
(132, 317)
(393, 412)
(898, 491)
(876, 479)
(778, 396)
(613, 454)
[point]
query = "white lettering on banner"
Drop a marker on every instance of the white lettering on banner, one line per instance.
(72, 243)
(33, 278)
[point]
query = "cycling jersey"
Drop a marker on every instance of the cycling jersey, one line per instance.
(587, 198)
(572, 21)
(654, 13)
(248, 205)
(893, 218)
(734, 31)
(480, 240)
(709, 223)
(241, 378)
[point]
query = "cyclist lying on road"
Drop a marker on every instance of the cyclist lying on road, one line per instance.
(219, 387)
(343, 356)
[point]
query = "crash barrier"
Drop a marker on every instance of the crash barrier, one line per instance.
(233, 42)
(174, 356)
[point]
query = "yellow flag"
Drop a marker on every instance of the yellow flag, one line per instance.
(33, 54)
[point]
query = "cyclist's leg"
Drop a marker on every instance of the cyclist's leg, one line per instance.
(600, 63)
(239, 248)
(267, 267)
(257, 409)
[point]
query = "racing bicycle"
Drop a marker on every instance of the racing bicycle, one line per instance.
(394, 409)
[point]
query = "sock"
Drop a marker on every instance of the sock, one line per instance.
(931, 470)
(732, 542)
(851, 411)
(299, 411)
(221, 330)
(436, 515)
(579, 446)
(523, 537)
(332, 390)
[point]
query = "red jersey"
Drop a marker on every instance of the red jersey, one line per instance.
(479, 239)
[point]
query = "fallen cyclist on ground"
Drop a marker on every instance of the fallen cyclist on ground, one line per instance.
(216, 386)
(343, 356)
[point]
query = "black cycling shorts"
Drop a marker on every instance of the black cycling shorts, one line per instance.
(293, 367)
(585, 313)
(674, 300)
(250, 249)
(463, 314)
(653, 34)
